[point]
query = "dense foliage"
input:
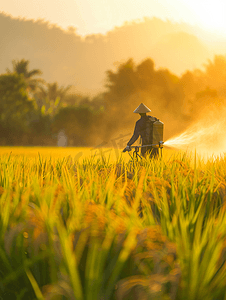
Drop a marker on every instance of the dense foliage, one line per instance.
(33, 112)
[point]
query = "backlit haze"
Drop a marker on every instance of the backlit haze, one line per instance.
(185, 35)
(100, 16)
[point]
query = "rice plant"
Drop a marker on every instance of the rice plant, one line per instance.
(97, 228)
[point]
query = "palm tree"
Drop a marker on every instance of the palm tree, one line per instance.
(51, 96)
(21, 67)
(53, 91)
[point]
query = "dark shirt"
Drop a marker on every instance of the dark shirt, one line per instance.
(140, 129)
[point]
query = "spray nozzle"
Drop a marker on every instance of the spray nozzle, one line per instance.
(161, 144)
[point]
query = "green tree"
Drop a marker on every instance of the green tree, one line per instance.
(16, 107)
(132, 84)
(50, 97)
(81, 124)
(123, 82)
(52, 91)
(21, 67)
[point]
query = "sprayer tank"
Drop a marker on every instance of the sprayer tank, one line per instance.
(157, 133)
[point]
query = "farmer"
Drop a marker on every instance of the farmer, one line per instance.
(144, 129)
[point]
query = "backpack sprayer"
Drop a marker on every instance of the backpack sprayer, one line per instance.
(153, 136)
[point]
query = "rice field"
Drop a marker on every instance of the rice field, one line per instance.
(76, 223)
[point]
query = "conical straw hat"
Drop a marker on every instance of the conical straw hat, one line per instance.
(142, 109)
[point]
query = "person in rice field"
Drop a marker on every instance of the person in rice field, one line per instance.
(144, 129)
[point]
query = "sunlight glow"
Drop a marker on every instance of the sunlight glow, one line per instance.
(209, 14)
(99, 16)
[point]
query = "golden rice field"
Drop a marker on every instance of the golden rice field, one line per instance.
(78, 224)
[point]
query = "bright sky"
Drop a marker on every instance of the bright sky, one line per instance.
(100, 16)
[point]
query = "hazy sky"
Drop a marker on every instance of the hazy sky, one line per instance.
(99, 16)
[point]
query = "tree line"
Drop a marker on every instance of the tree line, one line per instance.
(32, 111)
(67, 57)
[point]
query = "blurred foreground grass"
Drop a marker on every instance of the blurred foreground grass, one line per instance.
(93, 227)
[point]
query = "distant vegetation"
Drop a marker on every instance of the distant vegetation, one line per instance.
(32, 112)
(44, 69)
(66, 57)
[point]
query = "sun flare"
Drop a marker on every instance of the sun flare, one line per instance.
(209, 14)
